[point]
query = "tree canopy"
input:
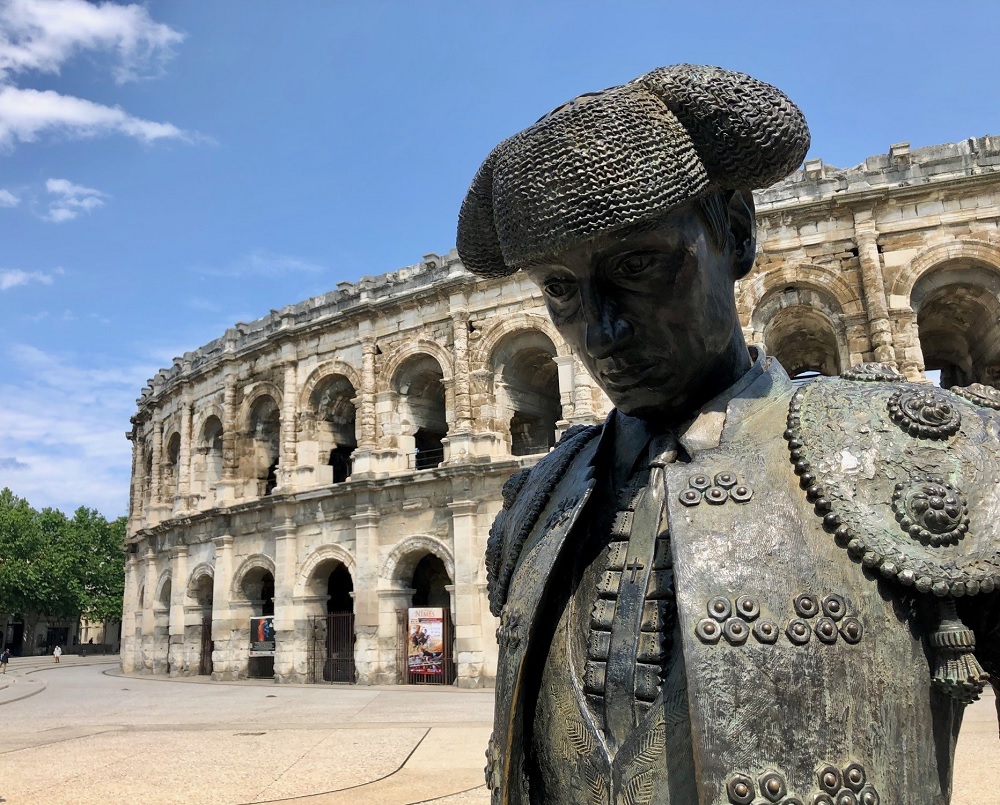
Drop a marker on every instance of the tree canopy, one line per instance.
(55, 566)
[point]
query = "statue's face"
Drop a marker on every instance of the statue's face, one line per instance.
(651, 314)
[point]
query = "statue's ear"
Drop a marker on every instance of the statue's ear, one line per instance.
(743, 231)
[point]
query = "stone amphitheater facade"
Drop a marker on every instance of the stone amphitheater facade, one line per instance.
(348, 453)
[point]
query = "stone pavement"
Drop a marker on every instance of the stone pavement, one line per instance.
(82, 733)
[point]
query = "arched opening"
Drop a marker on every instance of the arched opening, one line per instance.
(420, 385)
(333, 626)
(203, 594)
(335, 417)
(171, 470)
(430, 581)
(804, 342)
(258, 588)
(265, 436)
(958, 322)
(527, 390)
(210, 452)
(428, 636)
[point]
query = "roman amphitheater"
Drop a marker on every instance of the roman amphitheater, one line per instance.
(341, 460)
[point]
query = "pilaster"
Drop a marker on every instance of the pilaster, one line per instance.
(465, 593)
(225, 491)
(178, 593)
(873, 282)
(290, 640)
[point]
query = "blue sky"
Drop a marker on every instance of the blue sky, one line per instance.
(168, 169)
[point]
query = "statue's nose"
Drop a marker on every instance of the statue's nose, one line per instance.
(607, 332)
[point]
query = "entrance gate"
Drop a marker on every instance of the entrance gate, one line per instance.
(207, 646)
(333, 648)
(403, 674)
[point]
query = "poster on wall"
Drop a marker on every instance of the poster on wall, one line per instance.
(425, 641)
(262, 636)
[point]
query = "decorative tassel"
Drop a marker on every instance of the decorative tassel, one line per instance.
(957, 672)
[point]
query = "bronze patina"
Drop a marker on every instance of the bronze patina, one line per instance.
(734, 591)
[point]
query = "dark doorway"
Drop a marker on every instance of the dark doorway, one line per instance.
(340, 461)
(207, 646)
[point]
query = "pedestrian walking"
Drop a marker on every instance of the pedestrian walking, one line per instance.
(57, 652)
(4, 657)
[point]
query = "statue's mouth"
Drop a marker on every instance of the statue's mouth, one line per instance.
(628, 376)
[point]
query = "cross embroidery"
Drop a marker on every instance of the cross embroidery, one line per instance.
(634, 567)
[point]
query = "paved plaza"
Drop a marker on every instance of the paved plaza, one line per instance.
(82, 733)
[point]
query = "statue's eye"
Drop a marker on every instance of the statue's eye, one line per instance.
(558, 289)
(633, 265)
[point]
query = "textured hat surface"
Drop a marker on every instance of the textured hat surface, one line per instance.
(623, 156)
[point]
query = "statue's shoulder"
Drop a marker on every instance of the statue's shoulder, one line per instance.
(904, 475)
(525, 495)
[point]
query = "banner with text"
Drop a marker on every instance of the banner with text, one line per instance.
(425, 641)
(262, 636)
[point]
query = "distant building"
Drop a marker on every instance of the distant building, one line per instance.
(342, 459)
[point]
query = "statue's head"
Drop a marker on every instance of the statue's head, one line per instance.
(632, 210)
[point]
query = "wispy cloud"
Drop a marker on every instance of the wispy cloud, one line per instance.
(8, 199)
(71, 200)
(62, 421)
(42, 35)
(262, 263)
(15, 277)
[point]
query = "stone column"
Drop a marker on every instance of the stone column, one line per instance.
(131, 614)
(148, 616)
(289, 434)
(372, 644)
(365, 406)
(176, 650)
(463, 395)
(290, 635)
(186, 452)
(566, 365)
(135, 487)
(466, 598)
(157, 465)
(224, 665)
(225, 490)
(873, 282)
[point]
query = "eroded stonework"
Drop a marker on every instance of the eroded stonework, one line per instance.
(356, 434)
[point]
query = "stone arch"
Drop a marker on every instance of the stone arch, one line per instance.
(329, 421)
(956, 307)
(323, 371)
(260, 418)
(526, 391)
(831, 283)
(422, 346)
(252, 394)
(803, 328)
(256, 561)
(207, 469)
(205, 413)
(973, 251)
(322, 555)
(422, 405)
(509, 325)
(402, 560)
(164, 589)
(195, 583)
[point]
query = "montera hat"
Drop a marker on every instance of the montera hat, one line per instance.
(625, 156)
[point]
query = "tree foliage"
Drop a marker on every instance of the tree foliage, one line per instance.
(54, 566)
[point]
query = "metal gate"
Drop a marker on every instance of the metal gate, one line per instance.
(207, 645)
(403, 674)
(333, 648)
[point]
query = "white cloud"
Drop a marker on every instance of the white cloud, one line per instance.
(27, 113)
(62, 420)
(71, 199)
(42, 35)
(14, 277)
(262, 263)
(8, 199)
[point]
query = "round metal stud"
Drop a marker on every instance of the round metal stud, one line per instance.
(925, 413)
(791, 801)
(931, 510)
(821, 799)
(747, 607)
(720, 608)
(772, 786)
(740, 789)
(868, 796)
(845, 797)
(873, 372)
(716, 495)
(828, 778)
(708, 631)
(798, 631)
(851, 630)
(736, 631)
(826, 630)
(690, 497)
(834, 606)
(766, 631)
(854, 776)
(726, 480)
(699, 481)
(741, 493)
(806, 605)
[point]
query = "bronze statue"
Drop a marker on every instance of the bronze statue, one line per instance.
(734, 591)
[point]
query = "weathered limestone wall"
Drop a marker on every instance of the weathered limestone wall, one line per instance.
(374, 426)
